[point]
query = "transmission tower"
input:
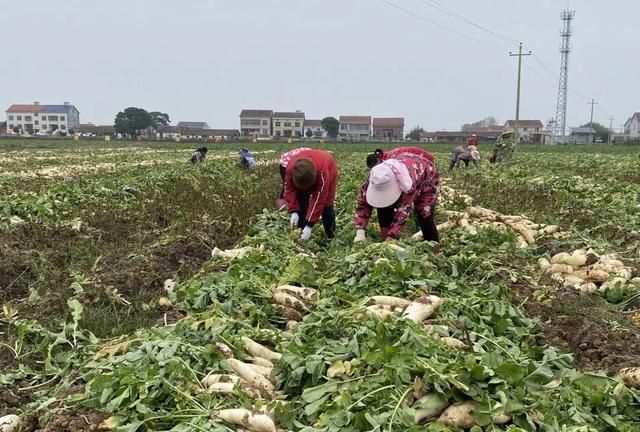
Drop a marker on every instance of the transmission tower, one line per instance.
(561, 109)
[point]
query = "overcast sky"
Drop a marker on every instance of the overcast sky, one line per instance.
(205, 60)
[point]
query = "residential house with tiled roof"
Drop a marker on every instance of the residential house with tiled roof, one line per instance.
(529, 130)
(315, 126)
(388, 128)
(36, 117)
(256, 123)
(288, 124)
(632, 126)
(194, 125)
(355, 128)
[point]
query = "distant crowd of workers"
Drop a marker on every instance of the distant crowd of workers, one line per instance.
(400, 181)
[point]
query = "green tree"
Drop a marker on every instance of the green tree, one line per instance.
(332, 126)
(159, 119)
(133, 121)
(415, 133)
(602, 132)
(308, 133)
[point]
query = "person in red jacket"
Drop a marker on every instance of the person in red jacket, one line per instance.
(310, 186)
(380, 156)
(473, 141)
(395, 187)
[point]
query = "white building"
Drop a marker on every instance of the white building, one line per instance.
(355, 128)
(36, 118)
(632, 126)
(315, 126)
(288, 124)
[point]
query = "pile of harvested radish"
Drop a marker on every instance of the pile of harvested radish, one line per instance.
(477, 217)
(449, 194)
(231, 254)
(293, 302)
(586, 271)
(254, 377)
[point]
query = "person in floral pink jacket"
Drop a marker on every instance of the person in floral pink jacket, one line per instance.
(395, 187)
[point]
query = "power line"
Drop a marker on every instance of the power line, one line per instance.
(446, 10)
(407, 11)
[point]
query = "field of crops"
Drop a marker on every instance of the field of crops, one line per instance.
(538, 277)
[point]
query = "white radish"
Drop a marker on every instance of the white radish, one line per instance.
(287, 312)
(308, 295)
(588, 287)
(459, 415)
(625, 273)
(454, 343)
(573, 280)
(575, 260)
(221, 388)
(261, 362)
(559, 258)
(378, 311)
(422, 308)
(293, 302)
(292, 325)
(253, 377)
(231, 253)
(396, 248)
(211, 379)
(223, 350)
(429, 407)
(613, 283)
(391, 301)
(549, 229)
(559, 268)
(597, 276)
(9, 423)
(258, 350)
(253, 421)
(543, 264)
(631, 377)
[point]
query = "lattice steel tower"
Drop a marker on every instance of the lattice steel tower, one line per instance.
(565, 49)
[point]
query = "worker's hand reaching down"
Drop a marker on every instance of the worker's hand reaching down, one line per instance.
(294, 220)
(306, 233)
(361, 236)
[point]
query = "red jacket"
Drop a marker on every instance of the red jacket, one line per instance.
(323, 193)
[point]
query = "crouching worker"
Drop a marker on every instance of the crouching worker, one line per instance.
(246, 158)
(466, 155)
(380, 156)
(285, 158)
(310, 182)
(198, 156)
(395, 187)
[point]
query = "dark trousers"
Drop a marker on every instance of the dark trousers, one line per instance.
(427, 225)
(283, 171)
(328, 215)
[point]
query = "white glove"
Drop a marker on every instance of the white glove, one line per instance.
(361, 236)
(294, 220)
(306, 233)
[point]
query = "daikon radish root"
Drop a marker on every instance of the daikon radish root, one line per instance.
(429, 407)
(287, 312)
(575, 260)
(391, 301)
(422, 308)
(261, 362)
(573, 279)
(502, 418)
(604, 267)
(625, 273)
(292, 325)
(378, 311)
(549, 229)
(221, 388)
(9, 423)
(231, 253)
(223, 350)
(445, 226)
(308, 295)
(524, 232)
(480, 212)
(258, 350)
(559, 258)
(211, 379)
(290, 301)
(558, 277)
(588, 287)
(521, 242)
(253, 421)
(612, 263)
(559, 268)
(164, 302)
(544, 264)
(251, 376)
(265, 371)
(396, 248)
(635, 281)
(419, 236)
(631, 376)
(459, 415)
(454, 343)
(597, 276)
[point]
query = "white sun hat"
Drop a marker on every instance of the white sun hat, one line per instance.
(387, 181)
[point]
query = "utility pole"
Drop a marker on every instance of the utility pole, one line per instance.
(592, 103)
(516, 132)
(611, 119)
